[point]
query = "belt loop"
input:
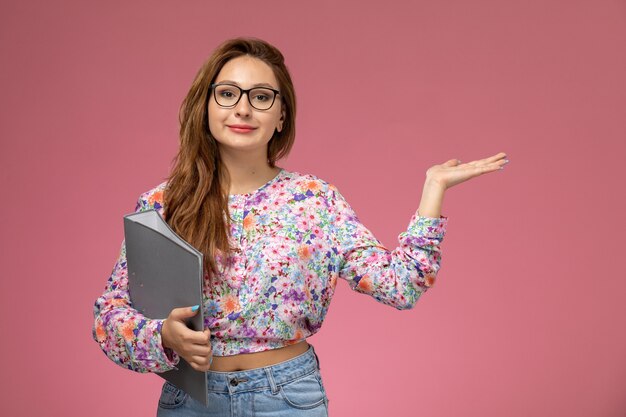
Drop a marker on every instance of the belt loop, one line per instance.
(270, 378)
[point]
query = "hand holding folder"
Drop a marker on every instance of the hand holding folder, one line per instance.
(194, 346)
(164, 273)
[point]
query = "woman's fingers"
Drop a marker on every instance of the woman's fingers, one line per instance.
(489, 168)
(189, 336)
(202, 362)
(483, 168)
(452, 162)
(199, 356)
(453, 172)
(201, 365)
(201, 350)
(200, 359)
(196, 338)
(196, 343)
(499, 158)
(198, 350)
(495, 158)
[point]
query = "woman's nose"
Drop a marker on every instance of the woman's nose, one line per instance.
(243, 108)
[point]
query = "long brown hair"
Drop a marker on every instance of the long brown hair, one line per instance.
(196, 197)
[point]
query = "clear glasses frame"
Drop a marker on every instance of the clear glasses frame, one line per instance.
(241, 93)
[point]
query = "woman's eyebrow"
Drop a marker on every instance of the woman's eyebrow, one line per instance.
(268, 85)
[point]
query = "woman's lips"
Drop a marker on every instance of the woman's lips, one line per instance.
(241, 129)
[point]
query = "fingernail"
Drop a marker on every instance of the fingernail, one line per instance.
(195, 308)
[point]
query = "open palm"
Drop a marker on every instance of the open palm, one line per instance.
(453, 172)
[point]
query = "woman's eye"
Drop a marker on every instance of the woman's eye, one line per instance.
(261, 97)
(227, 94)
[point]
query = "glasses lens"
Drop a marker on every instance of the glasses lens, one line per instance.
(226, 95)
(261, 98)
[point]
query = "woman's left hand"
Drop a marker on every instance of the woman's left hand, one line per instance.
(441, 177)
(453, 172)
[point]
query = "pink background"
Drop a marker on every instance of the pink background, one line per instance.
(528, 314)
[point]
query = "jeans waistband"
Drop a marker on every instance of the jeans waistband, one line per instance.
(266, 377)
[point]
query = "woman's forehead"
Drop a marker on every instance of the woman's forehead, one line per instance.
(247, 72)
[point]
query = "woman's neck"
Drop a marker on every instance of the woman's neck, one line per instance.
(247, 173)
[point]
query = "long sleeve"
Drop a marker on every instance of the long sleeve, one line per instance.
(396, 278)
(128, 338)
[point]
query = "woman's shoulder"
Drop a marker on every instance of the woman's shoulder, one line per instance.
(153, 198)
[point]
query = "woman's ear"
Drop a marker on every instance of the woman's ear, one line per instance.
(281, 120)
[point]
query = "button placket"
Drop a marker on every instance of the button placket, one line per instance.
(238, 255)
(243, 241)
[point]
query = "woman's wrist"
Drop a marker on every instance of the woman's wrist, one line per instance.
(164, 337)
(432, 199)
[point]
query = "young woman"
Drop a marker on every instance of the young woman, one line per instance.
(275, 243)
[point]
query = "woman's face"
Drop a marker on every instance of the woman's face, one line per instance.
(242, 127)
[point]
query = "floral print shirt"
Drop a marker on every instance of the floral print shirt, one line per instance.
(292, 238)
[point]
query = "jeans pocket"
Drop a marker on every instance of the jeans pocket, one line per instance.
(319, 379)
(172, 396)
(305, 392)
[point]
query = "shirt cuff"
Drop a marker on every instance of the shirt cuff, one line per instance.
(168, 357)
(428, 226)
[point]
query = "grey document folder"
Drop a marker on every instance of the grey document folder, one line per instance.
(165, 272)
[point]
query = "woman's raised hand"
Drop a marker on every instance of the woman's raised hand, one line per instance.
(453, 172)
(193, 346)
(441, 177)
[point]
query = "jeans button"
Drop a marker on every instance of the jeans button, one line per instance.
(234, 382)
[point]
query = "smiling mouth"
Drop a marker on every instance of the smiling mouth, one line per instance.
(241, 129)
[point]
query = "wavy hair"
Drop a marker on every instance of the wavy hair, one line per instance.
(196, 197)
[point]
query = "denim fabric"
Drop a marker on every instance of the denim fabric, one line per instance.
(290, 388)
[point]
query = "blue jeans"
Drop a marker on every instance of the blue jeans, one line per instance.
(290, 388)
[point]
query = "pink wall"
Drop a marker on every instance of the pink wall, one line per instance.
(528, 315)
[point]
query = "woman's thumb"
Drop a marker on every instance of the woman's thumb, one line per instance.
(184, 312)
(452, 162)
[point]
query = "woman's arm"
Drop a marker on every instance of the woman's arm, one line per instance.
(126, 336)
(399, 277)
(395, 277)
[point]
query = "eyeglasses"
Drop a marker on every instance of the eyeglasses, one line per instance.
(228, 95)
